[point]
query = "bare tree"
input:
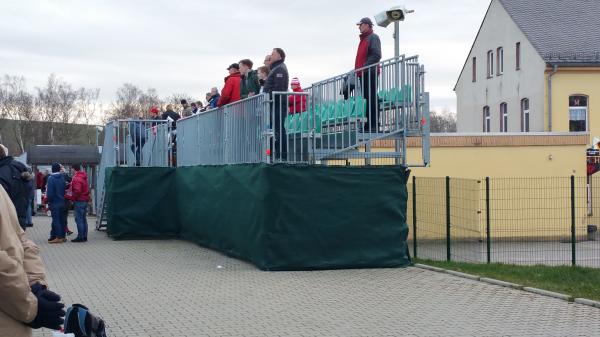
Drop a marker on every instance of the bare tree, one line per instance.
(132, 101)
(17, 104)
(442, 122)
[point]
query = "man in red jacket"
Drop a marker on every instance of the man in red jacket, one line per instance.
(369, 54)
(80, 196)
(231, 91)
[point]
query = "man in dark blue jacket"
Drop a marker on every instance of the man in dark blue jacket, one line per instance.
(55, 192)
(277, 81)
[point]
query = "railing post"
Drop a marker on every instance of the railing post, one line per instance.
(487, 220)
(414, 211)
(448, 240)
(573, 234)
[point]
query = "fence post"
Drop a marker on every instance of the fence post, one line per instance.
(573, 234)
(414, 210)
(448, 241)
(487, 220)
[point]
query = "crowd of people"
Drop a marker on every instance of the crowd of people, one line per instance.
(243, 82)
(60, 190)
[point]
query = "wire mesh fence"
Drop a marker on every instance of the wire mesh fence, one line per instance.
(528, 221)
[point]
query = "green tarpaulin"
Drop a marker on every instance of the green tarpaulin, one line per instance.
(279, 217)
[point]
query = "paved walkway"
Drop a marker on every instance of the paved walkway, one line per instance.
(174, 288)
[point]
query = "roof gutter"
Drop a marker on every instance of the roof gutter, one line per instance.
(554, 71)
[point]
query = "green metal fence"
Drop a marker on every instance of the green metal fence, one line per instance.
(550, 221)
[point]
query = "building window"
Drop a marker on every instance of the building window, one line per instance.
(490, 64)
(503, 117)
(525, 115)
(487, 121)
(500, 61)
(518, 50)
(578, 112)
(474, 69)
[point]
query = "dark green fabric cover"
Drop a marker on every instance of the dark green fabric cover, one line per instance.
(141, 203)
(279, 217)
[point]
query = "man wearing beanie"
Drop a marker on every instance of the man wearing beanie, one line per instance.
(55, 192)
(296, 103)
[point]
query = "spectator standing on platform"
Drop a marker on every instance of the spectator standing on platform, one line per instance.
(55, 192)
(137, 131)
(14, 178)
(296, 103)
(186, 109)
(278, 80)
(214, 98)
(171, 114)
(231, 90)
(80, 194)
(263, 73)
(26, 302)
(249, 79)
(368, 53)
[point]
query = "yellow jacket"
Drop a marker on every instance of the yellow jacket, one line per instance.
(20, 266)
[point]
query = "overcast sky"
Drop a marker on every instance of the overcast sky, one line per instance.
(184, 46)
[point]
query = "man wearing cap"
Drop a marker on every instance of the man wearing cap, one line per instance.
(231, 90)
(369, 53)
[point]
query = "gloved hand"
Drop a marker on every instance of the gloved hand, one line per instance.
(50, 311)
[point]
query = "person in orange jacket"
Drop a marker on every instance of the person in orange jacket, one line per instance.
(232, 90)
(296, 103)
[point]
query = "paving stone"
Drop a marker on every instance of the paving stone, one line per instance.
(174, 288)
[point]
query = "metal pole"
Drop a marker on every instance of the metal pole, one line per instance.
(414, 210)
(398, 143)
(487, 219)
(573, 236)
(448, 242)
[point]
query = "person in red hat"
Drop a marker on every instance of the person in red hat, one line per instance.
(296, 103)
(232, 90)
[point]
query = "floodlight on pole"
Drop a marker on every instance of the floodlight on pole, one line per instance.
(383, 19)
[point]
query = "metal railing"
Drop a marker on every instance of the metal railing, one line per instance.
(528, 221)
(233, 134)
(141, 143)
(343, 119)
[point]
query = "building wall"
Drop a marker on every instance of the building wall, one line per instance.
(530, 186)
(499, 30)
(571, 81)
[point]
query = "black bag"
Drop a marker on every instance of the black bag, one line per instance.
(80, 322)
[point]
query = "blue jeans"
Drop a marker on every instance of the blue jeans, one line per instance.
(28, 220)
(80, 219)
(58, 228)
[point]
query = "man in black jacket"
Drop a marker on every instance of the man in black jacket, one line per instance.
(13, 177)
(278, 80)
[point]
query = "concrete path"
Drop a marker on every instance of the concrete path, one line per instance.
(175, 288)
